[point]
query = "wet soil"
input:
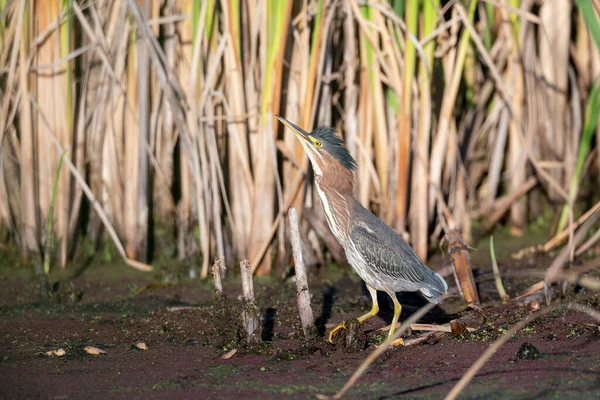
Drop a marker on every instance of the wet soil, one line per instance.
(112, 307)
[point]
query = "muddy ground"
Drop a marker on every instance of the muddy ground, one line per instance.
(112, 307)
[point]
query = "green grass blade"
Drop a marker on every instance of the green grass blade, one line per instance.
(589, 16)
(497, 278)
(490, 16)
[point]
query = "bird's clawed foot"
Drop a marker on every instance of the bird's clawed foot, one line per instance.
(336, 330)
(398, 342)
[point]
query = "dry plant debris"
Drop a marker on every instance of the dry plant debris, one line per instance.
(56, 353)
(93, 350)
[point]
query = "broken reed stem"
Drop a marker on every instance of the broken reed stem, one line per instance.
(249, 310)
(302, 292)
(497, 278)
(461, 262)
(468, 376)
(247, 284)
(217, 269)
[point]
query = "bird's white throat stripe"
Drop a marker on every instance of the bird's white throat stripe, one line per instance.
(333, 223)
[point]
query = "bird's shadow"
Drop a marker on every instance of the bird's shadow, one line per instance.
(328, 300)
(268, 324)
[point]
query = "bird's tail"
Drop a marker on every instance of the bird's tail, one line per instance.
(435, 289)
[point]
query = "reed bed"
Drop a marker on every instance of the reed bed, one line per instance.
(457, 112)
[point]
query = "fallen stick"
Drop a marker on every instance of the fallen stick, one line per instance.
(423, 337)
(530, 290)
(181, 308)
(427, 327)
(302, 292)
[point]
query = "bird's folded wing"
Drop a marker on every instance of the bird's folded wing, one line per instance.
(401, 263)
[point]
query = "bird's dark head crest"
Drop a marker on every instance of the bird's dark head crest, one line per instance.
(334, 145)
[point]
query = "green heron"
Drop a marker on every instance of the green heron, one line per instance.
(378, 254)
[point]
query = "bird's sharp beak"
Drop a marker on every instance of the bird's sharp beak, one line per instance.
(301, 133)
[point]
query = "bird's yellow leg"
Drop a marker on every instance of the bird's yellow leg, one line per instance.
(397, 311)
(374, 309)
(362, 318)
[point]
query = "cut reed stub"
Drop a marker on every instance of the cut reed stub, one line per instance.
(302, 292)
(250, 313)
(217, 270)
(461, 262)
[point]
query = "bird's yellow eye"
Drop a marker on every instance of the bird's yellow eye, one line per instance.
(317, 143)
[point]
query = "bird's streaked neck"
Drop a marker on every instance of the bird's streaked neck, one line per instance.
(336, 192)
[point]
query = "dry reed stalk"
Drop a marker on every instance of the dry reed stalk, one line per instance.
(302, 291)
(131, 147)
(144, 95)
(459, 256)
(554, 61)
(516, 159)
(29, 225)
(250, 318)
